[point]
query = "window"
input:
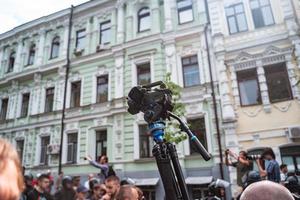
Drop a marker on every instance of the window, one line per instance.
(199, 192)
(31, 55)
(102, 89)
(146, 142)
(45, 141)
(49, 100)
(4, 105)
(248, 87)
(278, 82)
(101, 143)
(105, 33)
(148, 192)
(55, 47)
(143, 74)
(25, 104)
(80, 39)
(11, 62)
(72, 148)
(261, 13)
(190, 71)
(20, 148)
(236, 18)
(290, 156)
(75, 94)
(185, 11)
(197, 126)
(144, 19)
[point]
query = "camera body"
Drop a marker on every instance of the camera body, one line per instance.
(154, 103)
(253, 157)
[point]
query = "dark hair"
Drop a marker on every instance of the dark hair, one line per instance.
(126, 192)
(113, 178)
(244, 153)
(105, 158)
(269, 151)
(43, 176)
(282, 166)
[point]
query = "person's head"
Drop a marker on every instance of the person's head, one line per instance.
(99, 190)
(67, 183)
(243, 154)
(113, 185)
(268, 154)
(81, 193)
(28, 180)
(76, 181)
(11, 178)
(129, 192)
(283, 168)
(266, 190)
(90, 176)
(43, 182)
(103, 159)
(61, 174)
(106, 197)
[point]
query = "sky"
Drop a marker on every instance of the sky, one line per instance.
(16, 12)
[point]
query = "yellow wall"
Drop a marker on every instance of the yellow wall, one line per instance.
(267, 142)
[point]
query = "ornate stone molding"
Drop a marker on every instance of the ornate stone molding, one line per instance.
(253, 113)
(283, 108)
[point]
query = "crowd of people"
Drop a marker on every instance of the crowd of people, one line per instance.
(268, 169)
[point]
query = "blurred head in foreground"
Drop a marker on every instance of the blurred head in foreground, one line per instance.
(11, 178)
(266, 190)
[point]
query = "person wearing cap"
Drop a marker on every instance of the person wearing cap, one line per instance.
(81, 193)
(66, 192)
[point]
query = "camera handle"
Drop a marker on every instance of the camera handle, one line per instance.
(184, 127)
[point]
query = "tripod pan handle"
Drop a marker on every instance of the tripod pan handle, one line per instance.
(200, 148)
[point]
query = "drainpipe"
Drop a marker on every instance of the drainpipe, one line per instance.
(67, 66)
(206, 31)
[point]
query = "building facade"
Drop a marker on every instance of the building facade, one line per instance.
(114, 45)
(256, 46)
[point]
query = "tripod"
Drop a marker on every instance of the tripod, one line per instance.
(167, 159)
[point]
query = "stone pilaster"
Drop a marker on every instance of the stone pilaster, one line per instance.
(129, 20)
(292, 76)
(263, 86)
(18, 62)
(120, 27)
(113, 26)
(119, 73)
(40, 50)
(64, 44)
(155, 22)
(171, 64)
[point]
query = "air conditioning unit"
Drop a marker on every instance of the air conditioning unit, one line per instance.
(294, 132)
(53, 149)
(78, 52)
(101, 47)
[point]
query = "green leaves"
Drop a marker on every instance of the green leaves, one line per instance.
(172, 131)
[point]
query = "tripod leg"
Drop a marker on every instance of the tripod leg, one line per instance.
(160, 151)
(178, 171)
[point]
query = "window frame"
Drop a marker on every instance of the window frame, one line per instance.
(103, 30)
(145, 137)
(72, 95)
(98, 96)
(21, 154)
(102, 141)
(235, 18)
(74, 146)
(11, 62)
(47, 99)
(205, 144)
(140, 71)
(141, 16)
(24, 113)
(79, 38)
(260, 9)
(45, 139)
(3, 115)
(185, 8)
(245, 79)
(31, 55)
(187, 65)
(55, 42)
(283, 64)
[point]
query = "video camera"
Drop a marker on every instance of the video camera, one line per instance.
(154, 103)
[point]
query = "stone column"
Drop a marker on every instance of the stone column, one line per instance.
(292, 76)
(119, 73)
(2, 66)
(113, 26)
(120, 26)
(168, 15)
(129, 21)
(18, 62)
(40, 50)
(64, 44)
(171, 64)
(155, 22)
(228, 112)
(297, 50)
(89, 38)
(263, 86)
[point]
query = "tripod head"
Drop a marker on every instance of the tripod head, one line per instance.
(156, 104)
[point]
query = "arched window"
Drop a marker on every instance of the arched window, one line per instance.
(55, 47)
(143, 19)
(11, 62)
(31, 55)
